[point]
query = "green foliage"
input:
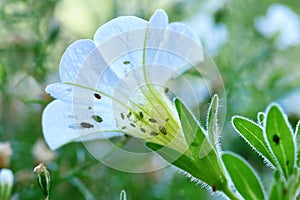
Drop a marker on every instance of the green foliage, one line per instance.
(243, 177)
(275, 141)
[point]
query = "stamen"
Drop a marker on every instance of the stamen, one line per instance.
(122, 116)
(133, 125)
(162, 129)
(143, 130)
(141, 115)
(153, 133)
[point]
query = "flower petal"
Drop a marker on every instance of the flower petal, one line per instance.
(73, 122)
(159, 19)
(73, 58)
(183, 29)
(117, 26)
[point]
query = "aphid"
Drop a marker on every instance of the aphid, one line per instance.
(152, 120)
(129, 115)
(166, 90)
(153, 133)
(86, 125)
(126, 62)
(97, 118)
(123, 127)
(276, 139)
(97, 96)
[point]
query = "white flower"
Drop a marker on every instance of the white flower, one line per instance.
(6, 183)
(117, 83)
(281, 20)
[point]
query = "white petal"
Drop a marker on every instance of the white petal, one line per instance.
(159, 19)
(73, 58)
(118, 25)
(63, 123)
(183, 29)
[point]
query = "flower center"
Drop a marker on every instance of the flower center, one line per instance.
(152, 117)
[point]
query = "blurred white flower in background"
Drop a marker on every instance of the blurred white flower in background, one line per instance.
(281, 20)
(212, 35)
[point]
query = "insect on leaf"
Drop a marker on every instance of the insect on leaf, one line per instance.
(280, 138)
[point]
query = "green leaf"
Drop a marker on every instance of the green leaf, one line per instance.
(252, 133)
(280, 138)
(212, 123)
(123, 195)
(193, 133)
(243, 177)
(176, 158)
(297, 138)
(208, 169)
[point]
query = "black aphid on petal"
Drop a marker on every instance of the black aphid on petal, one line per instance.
(97, 96)
(152, 120)
(97, 118)
(126, 62)
(86, 125)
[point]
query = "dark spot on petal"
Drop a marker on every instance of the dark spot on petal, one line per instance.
(276, 139)
(194, 144)
(167, 119)
(153, 133)
(143, 130)
(162, 129)
(214, 188)
(285, 191)
(97, 118)
(86, 125)
(141, 115)
(97, 96)
(287, 163)
(152, 120)
(123, 127)
(126, 62)
(129, 115)
(122, 116)
(90, 108)
(133, 125)
(166, 90)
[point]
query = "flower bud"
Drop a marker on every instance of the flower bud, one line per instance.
(5, 153)
(43, 178)
(6, 183)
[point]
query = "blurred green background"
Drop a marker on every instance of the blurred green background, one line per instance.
(35, 33)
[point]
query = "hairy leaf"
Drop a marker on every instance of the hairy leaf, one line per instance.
(243, 177)
(253, 134)
(280, 138)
